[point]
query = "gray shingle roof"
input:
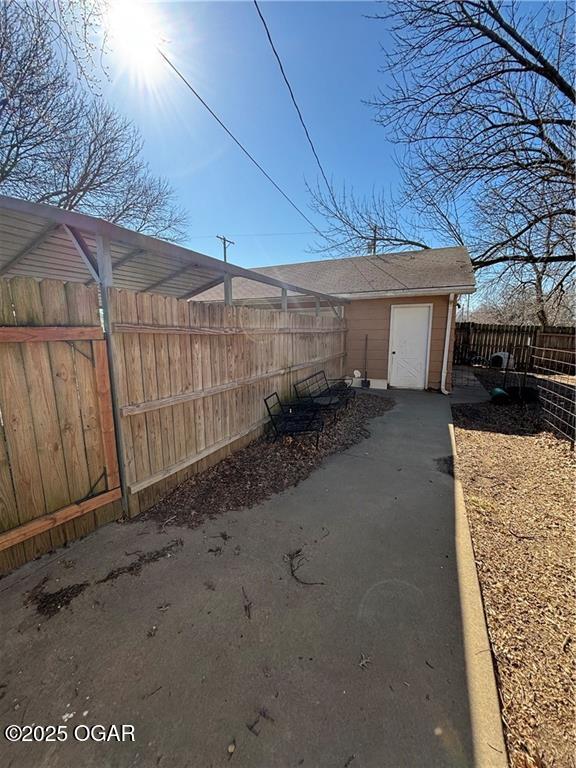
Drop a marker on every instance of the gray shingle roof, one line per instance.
(434, 270)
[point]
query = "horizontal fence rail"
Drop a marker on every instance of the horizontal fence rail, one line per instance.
(224, 331)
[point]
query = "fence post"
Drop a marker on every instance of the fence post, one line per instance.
(227, 290)
(106, 279)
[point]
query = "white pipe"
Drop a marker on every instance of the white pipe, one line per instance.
(447, 346)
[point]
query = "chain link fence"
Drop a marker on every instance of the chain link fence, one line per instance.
(530, 374)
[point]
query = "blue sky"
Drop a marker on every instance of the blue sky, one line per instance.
(331, 53)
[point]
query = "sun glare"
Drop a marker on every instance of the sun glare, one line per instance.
(134, 35)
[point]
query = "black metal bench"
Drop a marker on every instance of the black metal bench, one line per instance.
(328, 394)
(293, 418)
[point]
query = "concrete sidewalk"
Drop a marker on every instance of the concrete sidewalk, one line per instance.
(201, 649)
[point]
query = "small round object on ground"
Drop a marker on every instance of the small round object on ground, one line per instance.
(499, 396)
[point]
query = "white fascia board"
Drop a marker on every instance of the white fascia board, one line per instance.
(459, 289)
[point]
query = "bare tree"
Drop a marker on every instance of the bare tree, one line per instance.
(481, 105)
(532, 295)
(534, 273)
(77, 32)
(60, 145)
(482, 96)
(362, 225)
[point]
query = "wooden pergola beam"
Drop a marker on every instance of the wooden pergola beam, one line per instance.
(124, 260)
(171, 276)
(82, 249)
(80, 222)
(197, 291)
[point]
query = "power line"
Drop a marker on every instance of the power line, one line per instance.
(260, 234)
(307, 132)
(296, 107)
(175, 69)
(186, 82)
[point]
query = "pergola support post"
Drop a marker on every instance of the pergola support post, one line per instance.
(106, 280)
(228, 299)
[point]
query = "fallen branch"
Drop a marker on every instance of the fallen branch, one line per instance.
(165, 523)
(247, 604)
(296, 560)
(364, 661)
(522, 535)
(147, 695)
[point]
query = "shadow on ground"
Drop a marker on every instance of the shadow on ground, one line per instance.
(321, 628)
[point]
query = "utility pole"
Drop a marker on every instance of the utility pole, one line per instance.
(225, 243)
(374, 240)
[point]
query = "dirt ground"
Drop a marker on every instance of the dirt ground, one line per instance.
(264, 468)
(518, 483)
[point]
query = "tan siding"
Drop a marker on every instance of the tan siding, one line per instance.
(372, 317)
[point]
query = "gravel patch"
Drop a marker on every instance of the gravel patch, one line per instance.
(263, 468)
(518, 484)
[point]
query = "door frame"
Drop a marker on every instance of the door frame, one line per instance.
(430, 307)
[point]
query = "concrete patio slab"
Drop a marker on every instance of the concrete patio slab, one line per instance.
(379, 662)
(467, 389)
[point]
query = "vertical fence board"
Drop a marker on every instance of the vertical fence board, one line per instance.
(83, 309)
(135, 386)
(187, 379)
(150, 383)
(68, 408)
(196, 351)
(9, 360)
(47, 434)
(163, 373)
(121, 375)
(175, 377)
(211, 384)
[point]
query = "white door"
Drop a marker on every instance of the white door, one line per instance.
(409, 344)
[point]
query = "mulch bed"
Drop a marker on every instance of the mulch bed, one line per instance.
(518, 485)
(264, 468)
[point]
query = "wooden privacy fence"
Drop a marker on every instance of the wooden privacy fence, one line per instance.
(58, 464)
(485, 339)
(191, 378)
(187, 387)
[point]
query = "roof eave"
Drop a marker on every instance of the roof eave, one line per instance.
(429, 291)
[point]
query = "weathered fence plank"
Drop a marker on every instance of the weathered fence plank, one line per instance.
(10, 477)
(189, 381)
(57, 442)
(68, 408)
(47, 436)
(485, 339)
(197, 373)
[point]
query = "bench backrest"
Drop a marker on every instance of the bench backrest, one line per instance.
(273, 406)
(312, 386)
